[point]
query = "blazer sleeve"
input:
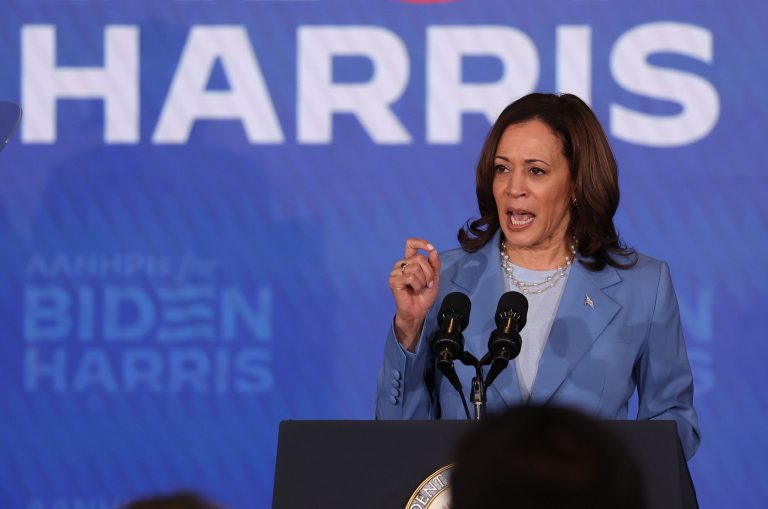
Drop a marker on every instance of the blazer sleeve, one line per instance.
(402, 392)
(663, 373)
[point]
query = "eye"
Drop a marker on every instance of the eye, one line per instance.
(537, 171)
(500, 168)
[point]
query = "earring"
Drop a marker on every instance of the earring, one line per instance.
(573, 202)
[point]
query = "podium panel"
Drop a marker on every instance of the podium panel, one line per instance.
(378, 464)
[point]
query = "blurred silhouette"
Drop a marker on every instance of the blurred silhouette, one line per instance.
(10, 115)
(179, 500)
(544, 457)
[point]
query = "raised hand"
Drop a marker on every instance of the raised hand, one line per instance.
(414, 282)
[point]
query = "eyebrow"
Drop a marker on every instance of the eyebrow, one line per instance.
(527, 160)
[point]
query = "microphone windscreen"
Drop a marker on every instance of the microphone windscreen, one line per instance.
(457, 304)
(514, 302)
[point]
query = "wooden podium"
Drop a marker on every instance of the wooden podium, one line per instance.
(379, 464)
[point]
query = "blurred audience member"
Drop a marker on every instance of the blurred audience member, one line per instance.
(179, 500)
(544, 457)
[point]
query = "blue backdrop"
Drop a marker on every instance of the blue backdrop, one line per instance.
(202, 204)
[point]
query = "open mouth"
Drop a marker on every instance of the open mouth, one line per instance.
(520, 217)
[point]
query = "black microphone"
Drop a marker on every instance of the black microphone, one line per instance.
(505, 342)
(448, 342)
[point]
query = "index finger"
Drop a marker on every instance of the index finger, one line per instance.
(413, 245)
(434, 261)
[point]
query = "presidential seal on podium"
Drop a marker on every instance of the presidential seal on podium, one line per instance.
(434, 492)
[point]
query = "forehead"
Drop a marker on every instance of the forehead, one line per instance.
(531, 139)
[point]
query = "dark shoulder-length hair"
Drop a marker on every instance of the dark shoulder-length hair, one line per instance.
(592, 169)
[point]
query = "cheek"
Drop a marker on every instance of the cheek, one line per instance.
(558, 200)
(562, 211)
(498, 192)
(558, 208)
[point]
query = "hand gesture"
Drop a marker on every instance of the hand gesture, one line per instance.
(414, 282)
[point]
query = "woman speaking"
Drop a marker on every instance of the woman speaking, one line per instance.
(603, 320)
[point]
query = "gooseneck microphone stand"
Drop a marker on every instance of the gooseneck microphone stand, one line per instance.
(478, 387)
(479, 384)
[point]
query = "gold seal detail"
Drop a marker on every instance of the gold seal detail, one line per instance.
(434, 492)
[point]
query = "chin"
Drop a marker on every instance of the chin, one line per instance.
(519, 238)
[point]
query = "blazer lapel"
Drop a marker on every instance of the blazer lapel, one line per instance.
(584, 312)
(481, 277)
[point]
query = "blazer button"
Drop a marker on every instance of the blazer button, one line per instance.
(395, 383)
(393, 400)
(396, 374)
(395, 392)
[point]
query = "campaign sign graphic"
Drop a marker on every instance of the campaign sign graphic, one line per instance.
(202, 203)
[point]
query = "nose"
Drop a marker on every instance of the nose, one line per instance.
(517, 185)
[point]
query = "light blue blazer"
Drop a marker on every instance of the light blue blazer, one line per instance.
(594, 359)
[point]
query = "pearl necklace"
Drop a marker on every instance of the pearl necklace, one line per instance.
(535, 287)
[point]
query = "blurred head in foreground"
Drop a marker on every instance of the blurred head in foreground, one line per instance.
(179, 500)
(544, 457)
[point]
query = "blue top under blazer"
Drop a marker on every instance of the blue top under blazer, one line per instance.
(593, 360)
